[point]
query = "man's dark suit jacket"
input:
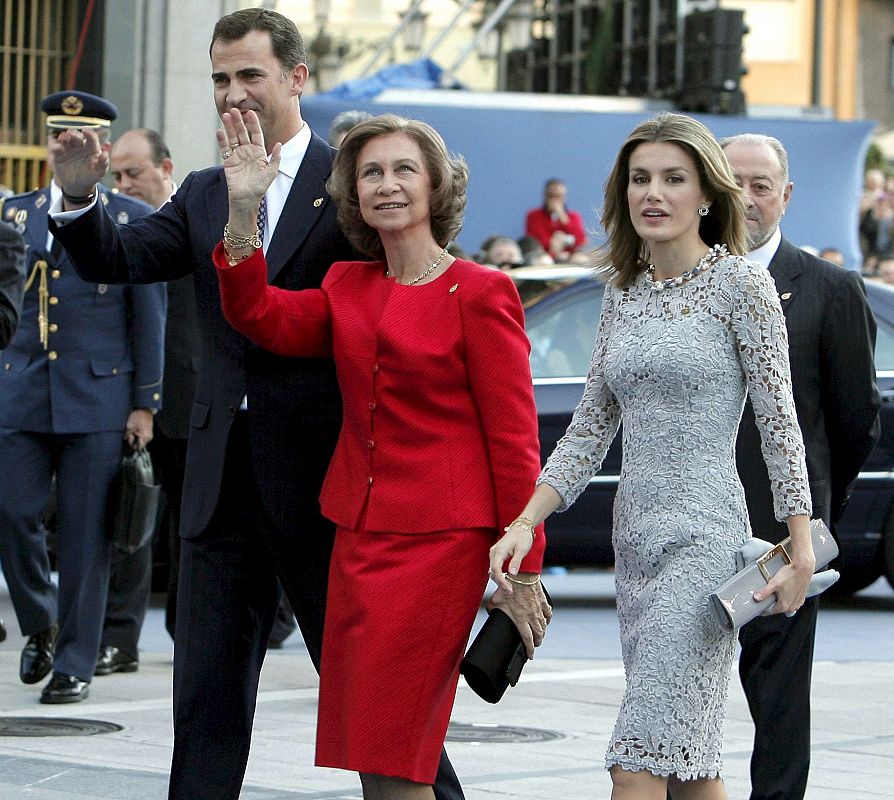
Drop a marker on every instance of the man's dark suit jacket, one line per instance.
(295, 406)
(183, 346)
(12, 281)
(831, 335)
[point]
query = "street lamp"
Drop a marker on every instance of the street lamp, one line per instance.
(321, 10)
(414, 21)
(517, 25)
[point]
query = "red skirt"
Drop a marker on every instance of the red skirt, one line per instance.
(399, 611)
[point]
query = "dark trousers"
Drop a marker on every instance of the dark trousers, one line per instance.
(84, 465)
(169, 461)
(775, 666)
(130, 585)
(228, 597)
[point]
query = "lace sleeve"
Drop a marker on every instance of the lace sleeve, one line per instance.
(579, 453)
(759, 328)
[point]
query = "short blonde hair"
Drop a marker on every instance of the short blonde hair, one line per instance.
(449, 178)
(625, 255)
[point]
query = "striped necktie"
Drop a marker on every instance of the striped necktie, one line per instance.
(262, 218)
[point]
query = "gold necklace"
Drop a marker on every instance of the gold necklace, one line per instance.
(431, 268)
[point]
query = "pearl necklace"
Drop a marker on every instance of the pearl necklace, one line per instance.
(431, 268)
(713, 255)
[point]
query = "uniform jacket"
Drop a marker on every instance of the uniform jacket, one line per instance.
(831, 333)
(294, 407)
(12, 280)
(104, 351)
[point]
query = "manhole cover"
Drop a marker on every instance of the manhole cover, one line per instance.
(498, 734)
(54, 726)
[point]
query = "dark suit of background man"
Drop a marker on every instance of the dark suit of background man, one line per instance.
(12, 282)
(82, 372)
(141, 166)
(250, 498)
(831, 334)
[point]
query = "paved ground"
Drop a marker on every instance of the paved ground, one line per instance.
(574, 698)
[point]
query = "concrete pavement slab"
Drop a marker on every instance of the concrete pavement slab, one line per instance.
(576, 698)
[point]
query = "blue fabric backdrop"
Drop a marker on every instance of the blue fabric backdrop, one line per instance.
(511, 153)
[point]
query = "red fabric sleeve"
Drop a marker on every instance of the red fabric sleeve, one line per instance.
(285, 322)
(497, 351)
(537, 225)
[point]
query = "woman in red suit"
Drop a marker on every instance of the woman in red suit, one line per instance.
(438, 440)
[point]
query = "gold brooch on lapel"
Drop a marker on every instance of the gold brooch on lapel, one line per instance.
(454, 288)
(318, 202)
(11, 212)
(41, 199)
(785, 296)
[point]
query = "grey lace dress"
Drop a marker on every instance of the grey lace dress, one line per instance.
(673, 365)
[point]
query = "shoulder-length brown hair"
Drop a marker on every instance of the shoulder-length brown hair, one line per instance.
(449, 179)
(625, 255)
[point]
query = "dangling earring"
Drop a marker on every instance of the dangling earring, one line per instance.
(703, 210)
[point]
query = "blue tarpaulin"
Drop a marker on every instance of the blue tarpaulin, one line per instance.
(420, 74)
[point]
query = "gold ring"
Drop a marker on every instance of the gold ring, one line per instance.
(226, 154)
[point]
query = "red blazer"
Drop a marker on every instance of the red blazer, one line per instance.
(440, 427)
(541, 226)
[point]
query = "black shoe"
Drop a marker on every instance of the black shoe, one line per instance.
(111, 659)
(2, 631)
(37, 656)
(65, 689)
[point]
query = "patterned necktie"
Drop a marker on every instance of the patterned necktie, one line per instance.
(262, 217)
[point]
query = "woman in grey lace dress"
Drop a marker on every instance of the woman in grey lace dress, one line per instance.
(688, 327)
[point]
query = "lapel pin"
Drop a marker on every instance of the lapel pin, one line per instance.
(318, 202)
(454, 288)
(41, 199)
(105, 199)
(123, 218)
(21, 216)
(11, 212)
(785, 296)
(102, 288)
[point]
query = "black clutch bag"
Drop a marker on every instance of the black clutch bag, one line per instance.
(496, 656)
(133, 503)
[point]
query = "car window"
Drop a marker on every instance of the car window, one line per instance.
(562, 335)
(884, 347)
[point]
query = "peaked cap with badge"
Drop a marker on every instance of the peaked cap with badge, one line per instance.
(73, 109)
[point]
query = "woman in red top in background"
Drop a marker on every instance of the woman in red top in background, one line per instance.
(439, 436)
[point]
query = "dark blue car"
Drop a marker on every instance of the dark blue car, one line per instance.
(562, 308)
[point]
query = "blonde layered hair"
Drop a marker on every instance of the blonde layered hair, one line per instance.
(625, 254)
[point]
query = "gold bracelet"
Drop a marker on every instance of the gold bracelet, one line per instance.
(516, 581)
(232, 260)
(526, 522)
(238, 242)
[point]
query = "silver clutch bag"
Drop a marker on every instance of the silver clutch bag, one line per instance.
(732, 601)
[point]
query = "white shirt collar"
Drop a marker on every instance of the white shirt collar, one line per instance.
(764, 254)
(293, 151)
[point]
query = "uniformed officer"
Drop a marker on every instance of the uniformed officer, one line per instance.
(82, 371)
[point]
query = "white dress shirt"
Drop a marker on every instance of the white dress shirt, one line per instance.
(764, 254)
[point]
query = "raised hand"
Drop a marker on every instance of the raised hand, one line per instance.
(248, 169)
(79, 160)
